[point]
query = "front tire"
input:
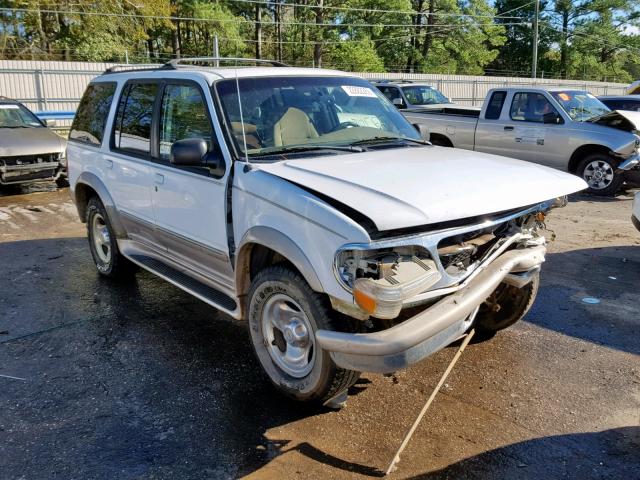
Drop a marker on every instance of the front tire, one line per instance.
(102, 242)
(599, 171)
(284, 314)
(506, 306)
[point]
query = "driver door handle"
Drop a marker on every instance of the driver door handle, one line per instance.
(508, 128)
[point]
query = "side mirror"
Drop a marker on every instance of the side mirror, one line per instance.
(193, 152)
(551, 117)
(50, 122)
(398, 102)
(189, 152)
(423, 131)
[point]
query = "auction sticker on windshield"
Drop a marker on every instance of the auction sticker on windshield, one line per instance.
(354, 91)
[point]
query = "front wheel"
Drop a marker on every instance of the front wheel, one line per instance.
(599, 171)
(284, 314)
(506, 305)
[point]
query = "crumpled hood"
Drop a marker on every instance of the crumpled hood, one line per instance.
(620, 119)
(29, 141)
(406, 187)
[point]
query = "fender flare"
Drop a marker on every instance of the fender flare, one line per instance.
(79, 197)
(278, 242)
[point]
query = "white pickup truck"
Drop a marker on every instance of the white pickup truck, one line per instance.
(570, 130)
(303, 202)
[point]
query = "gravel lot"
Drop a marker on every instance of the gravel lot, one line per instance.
(140, 380)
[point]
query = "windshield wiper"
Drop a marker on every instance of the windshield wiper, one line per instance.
(307, 148)
(386, 138)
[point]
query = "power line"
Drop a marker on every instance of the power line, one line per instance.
(375, 10)
(235, 20)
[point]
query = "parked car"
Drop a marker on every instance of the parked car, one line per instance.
(29, 151)
(621, 102)
(301, 201)
(407, 94)
(569, 130)
(635, 215)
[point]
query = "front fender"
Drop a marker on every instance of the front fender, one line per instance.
(278, 242)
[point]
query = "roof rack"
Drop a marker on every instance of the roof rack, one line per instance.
(389, 80)
(175, 63)
(134, 67)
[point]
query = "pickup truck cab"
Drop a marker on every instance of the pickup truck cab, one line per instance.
(407, 94)
(302, 202)
(569, 130)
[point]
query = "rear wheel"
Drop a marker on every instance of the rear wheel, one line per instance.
(102, 242)
(599, 171)
(506, 305)
(284, 314)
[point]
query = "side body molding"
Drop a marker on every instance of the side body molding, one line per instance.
(278, 242)
(86, 182)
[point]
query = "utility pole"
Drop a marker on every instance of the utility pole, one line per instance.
(534, 66)
(216, 50)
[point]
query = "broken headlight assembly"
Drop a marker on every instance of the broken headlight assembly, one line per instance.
(381, 280)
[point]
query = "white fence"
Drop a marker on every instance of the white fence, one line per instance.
(59, 85)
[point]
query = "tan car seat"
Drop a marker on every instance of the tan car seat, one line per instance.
(294, 127)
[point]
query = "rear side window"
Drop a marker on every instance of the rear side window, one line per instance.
(132, 130)
(495, 105)
(91, 117)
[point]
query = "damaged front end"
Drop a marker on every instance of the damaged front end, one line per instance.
(445, 274)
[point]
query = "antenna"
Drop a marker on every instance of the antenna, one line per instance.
(244, 135)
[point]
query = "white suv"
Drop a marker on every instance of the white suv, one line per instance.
(302, 201)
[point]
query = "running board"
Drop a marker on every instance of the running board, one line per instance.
(189, 284)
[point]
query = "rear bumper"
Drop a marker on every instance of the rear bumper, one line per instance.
(433, 329)
(635, 221)
(33, 172)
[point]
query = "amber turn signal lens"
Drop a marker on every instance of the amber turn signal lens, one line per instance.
(364, 301)
(540, 216)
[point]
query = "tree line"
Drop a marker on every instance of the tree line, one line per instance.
(590, 39)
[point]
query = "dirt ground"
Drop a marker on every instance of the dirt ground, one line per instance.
(137, 379)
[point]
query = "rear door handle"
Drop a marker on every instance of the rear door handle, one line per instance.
(159, 178)
(109, 164)
(508, 128)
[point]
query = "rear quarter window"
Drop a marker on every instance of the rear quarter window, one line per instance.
(495, 105)
(91, 116)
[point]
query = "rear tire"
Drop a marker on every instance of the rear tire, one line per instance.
(284, 314)
(102, 242)
(512, 304)
(599, 171)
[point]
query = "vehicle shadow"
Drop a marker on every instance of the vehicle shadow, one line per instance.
(134, 376)
(9, 190)
(568, 456)
(609, 276)
(622, 196)
(139, 379)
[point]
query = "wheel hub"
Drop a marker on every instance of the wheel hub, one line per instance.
(598, 174)
(288, 335)
(101, 238)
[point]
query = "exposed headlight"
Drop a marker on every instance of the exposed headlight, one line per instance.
(382, 279)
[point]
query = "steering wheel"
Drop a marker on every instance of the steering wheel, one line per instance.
(343, 125)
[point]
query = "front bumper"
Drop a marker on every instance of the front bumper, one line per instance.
(418, 337)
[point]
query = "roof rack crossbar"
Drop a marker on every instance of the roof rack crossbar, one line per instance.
(175, 63)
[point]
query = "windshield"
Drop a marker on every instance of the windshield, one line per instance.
(282, 113)
(424, 95)
(580, 105)
(16, 116)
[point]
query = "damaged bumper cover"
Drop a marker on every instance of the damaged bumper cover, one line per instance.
(436, 327)
(30, 172)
